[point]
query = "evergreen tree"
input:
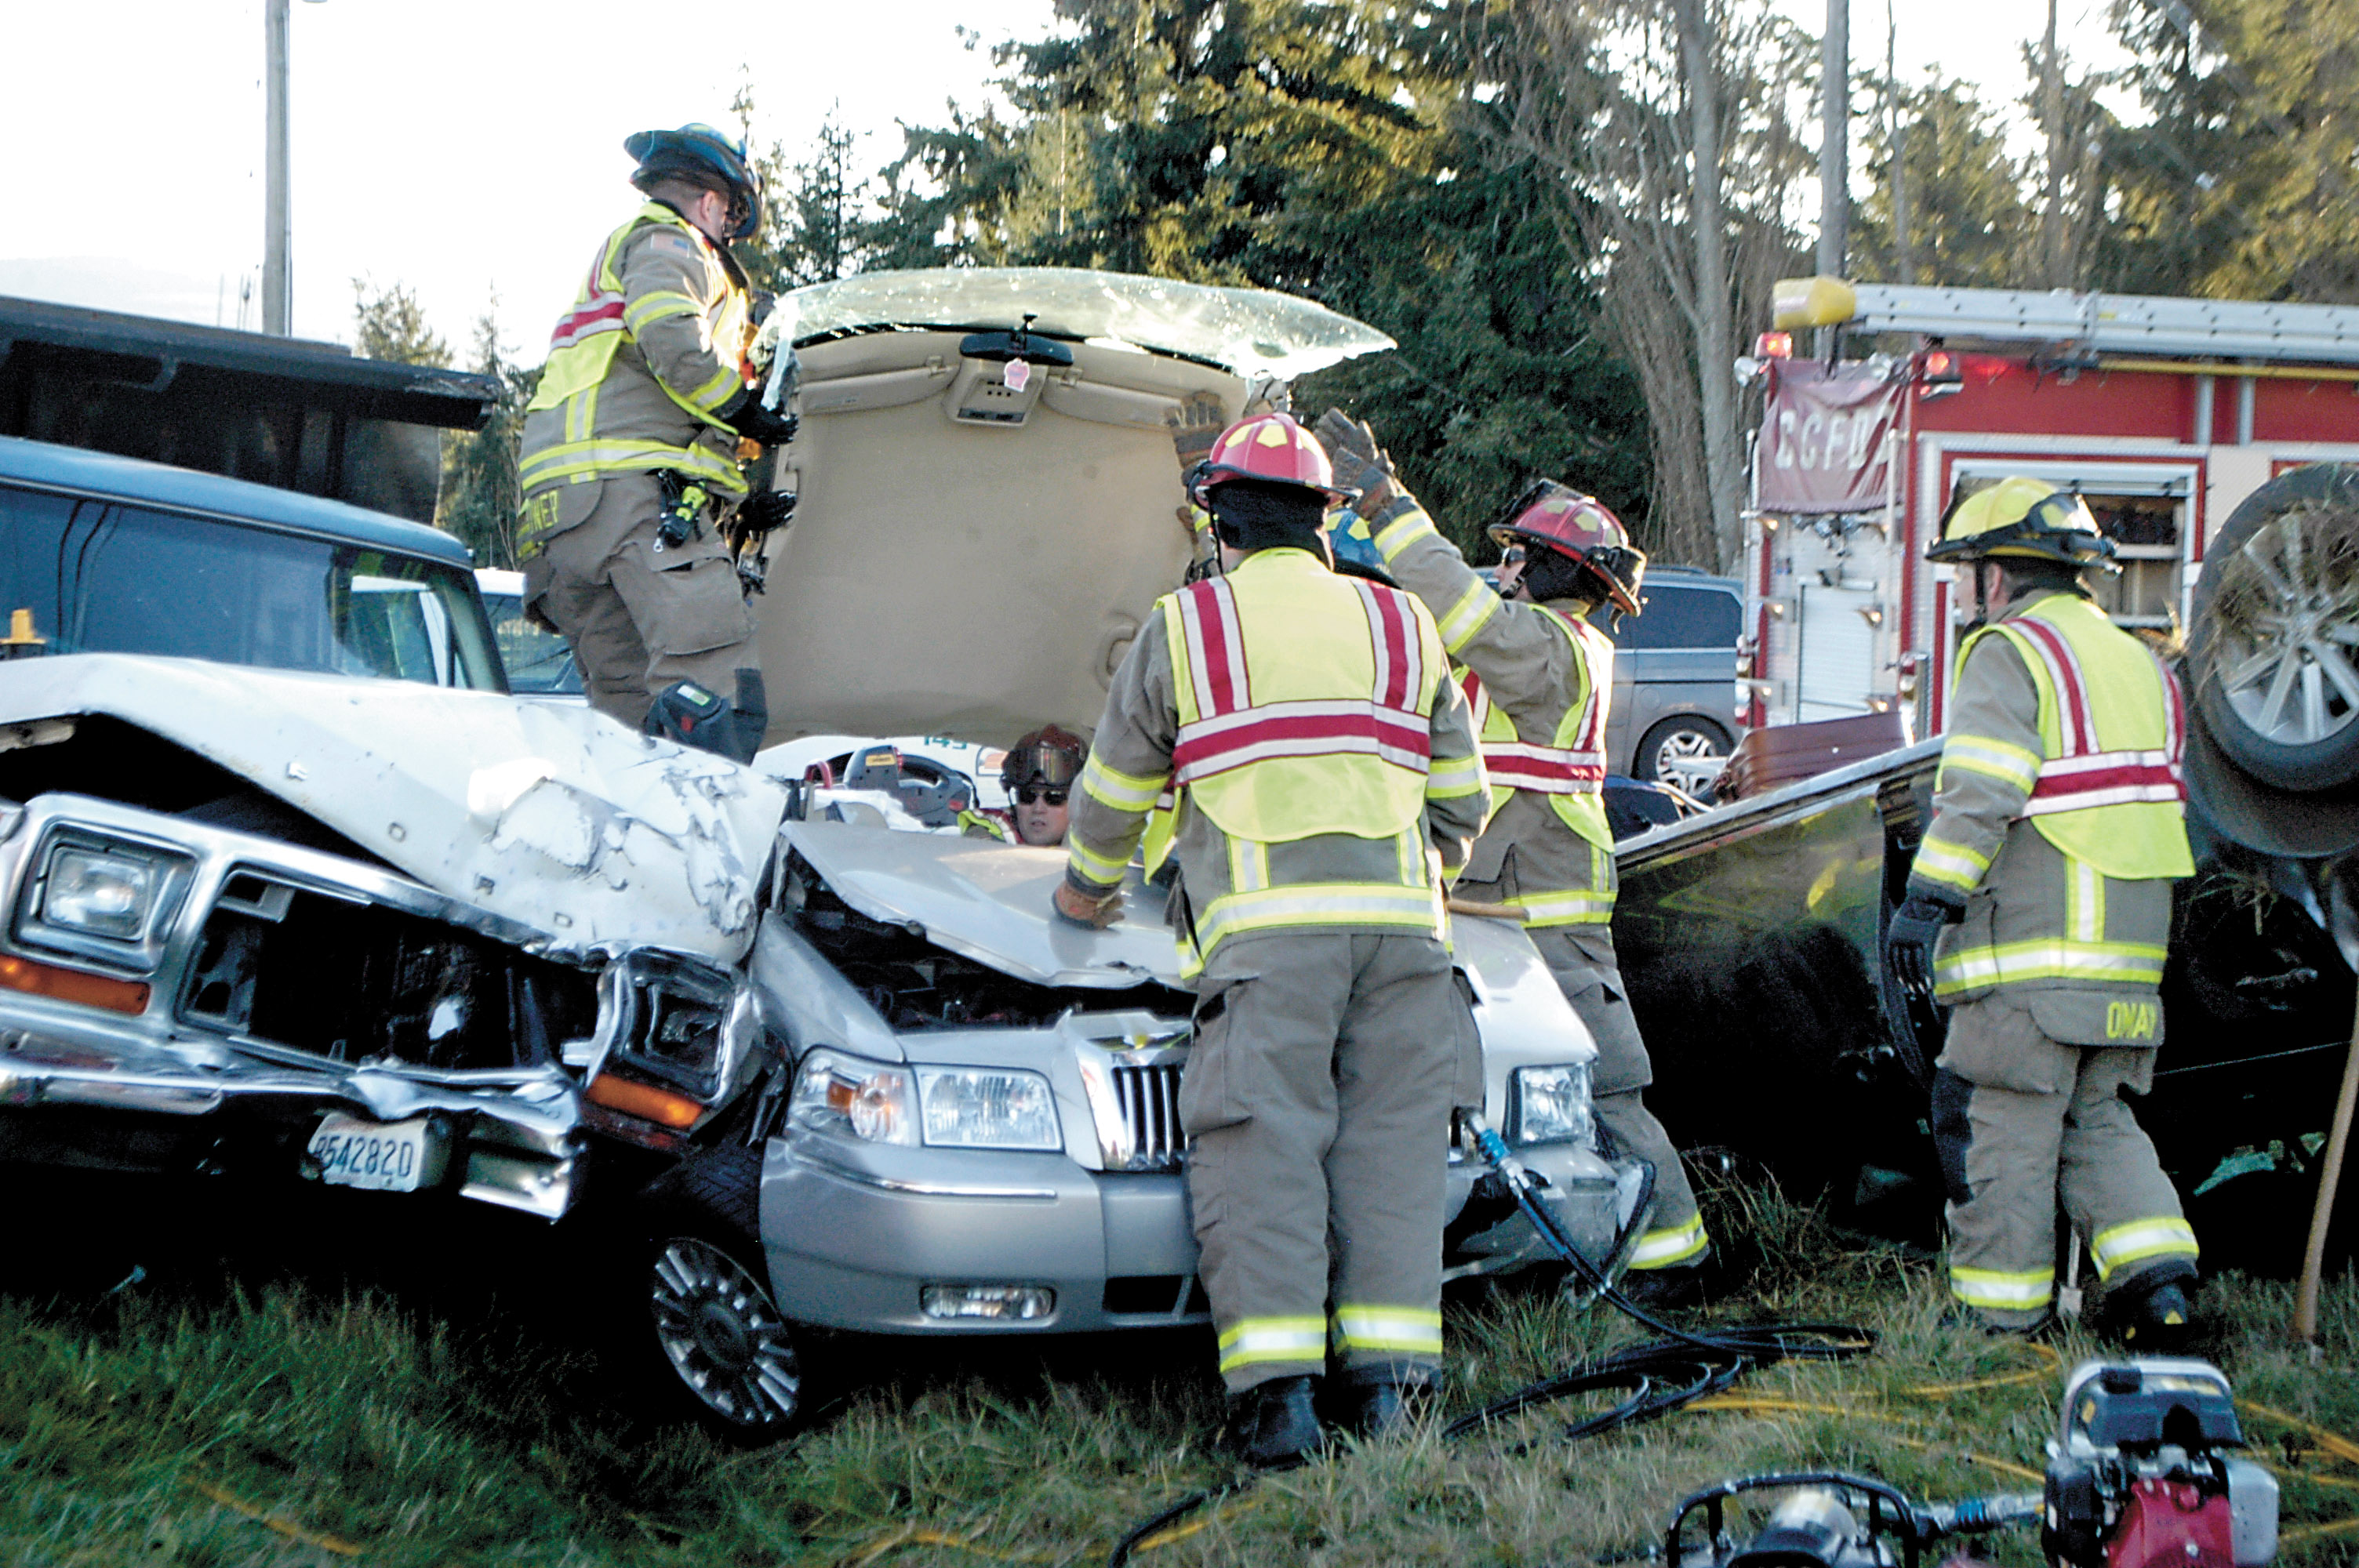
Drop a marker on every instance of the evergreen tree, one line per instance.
(388, 325)
(1970, 226)
(1331, 150)
(2242, 183)
(480, 495)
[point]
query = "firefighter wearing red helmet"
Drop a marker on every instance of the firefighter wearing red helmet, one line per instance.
(1326, 782)
(2038, 911)
(1540, 678)
(630, 455)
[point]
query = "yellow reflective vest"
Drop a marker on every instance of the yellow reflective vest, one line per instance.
(1269, 745)
(678, 431)
(2107, 790)
(1569, 766)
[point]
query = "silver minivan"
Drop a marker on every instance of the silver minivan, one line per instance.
(1675, 695)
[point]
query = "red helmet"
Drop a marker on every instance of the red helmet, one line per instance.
(1270, 448)
(1579, 527)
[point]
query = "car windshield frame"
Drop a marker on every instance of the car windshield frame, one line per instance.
(98, 573)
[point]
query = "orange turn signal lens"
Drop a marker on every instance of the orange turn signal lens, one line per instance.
(73, 985)
(661, 1107)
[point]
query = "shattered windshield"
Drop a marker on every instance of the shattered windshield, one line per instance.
(1251, 331)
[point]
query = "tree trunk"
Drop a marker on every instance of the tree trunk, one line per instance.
(1715, 332)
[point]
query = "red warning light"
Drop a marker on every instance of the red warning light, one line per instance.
(1774, 346)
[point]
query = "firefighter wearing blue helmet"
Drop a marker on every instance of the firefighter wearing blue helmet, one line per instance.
(632, 449)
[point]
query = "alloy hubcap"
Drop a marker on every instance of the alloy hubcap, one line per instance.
(718, 1330)
(2289, 611)
(1688, 761)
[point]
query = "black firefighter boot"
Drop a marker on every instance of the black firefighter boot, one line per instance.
(1274, 1426)
(1378, 1403)
(2150, 1313)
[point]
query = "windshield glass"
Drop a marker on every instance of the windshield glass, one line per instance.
(539, 661)
(100, 578)
(1252, 331)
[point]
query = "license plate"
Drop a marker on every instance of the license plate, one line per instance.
(383, 1156)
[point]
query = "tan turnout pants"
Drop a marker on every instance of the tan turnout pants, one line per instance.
(1318, 1095)
(639, 618)
(1582, 960)
(2022, 1124)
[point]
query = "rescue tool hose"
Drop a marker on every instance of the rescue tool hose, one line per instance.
(1661, 1375)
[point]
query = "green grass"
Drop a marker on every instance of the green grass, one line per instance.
(378, 1425)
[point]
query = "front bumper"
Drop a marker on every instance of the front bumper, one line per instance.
(854, 1232)
(506, 1137)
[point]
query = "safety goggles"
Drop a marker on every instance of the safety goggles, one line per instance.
(1039, 763)
(1025, 794)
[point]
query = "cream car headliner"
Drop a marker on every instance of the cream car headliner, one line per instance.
(975, 580)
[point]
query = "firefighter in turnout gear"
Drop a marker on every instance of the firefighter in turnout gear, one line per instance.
(1540, 678)
(1327, 783)
(631, 456)
(2038, 910)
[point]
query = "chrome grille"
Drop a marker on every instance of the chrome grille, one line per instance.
(1148, 1100)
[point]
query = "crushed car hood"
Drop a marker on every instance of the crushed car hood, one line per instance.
(989, 902)
(554, 816)
(975, 545)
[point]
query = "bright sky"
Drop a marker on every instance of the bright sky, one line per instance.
(473, 148)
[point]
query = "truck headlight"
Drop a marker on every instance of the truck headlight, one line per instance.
(108, 892)
(1550, 1105)
(840, 1094)
(988, 1107)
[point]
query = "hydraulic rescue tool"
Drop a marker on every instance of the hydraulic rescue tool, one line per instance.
(1834, 1520)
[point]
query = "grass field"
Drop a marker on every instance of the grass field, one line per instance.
(217, 1412)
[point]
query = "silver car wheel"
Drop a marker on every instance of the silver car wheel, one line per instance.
(733, 1350)
(1688, 761)
(2289, 622)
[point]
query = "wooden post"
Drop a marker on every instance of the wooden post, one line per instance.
(2338, 1144)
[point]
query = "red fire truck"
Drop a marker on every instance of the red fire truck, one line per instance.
(2163, 413)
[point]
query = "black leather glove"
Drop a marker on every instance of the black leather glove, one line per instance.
(746, 415)
(758, 515)
(1359, 463)
(1909, 941)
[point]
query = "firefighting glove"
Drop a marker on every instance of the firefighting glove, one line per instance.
(758, 515)
(1078, 908)
(1195, 426)
(1359, 463)
(746, 415)
(1909, 940)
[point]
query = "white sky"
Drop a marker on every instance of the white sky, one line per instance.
(470, 149)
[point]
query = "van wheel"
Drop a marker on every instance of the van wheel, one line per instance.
(711, 1344)
(1683, 751)
(2273, 660)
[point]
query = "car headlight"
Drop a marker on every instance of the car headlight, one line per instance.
(869, 1101)
(1550, 1105)
(988, 1107)
(108, 892)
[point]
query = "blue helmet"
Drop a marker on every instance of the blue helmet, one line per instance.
(701, 155)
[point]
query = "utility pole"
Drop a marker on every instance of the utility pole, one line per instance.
(1834, 149)
(2055, 265)
(277, 285)
(1895, 137)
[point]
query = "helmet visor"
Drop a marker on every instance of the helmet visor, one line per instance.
(1041, 762)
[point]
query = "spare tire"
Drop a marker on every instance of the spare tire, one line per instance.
(2273, 657)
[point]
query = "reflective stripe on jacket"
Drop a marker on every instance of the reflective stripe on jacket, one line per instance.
(651, 348)
(1269, 747)
(2068, 906)
(1546, 679)
(1333, 778)
(2104, 787)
